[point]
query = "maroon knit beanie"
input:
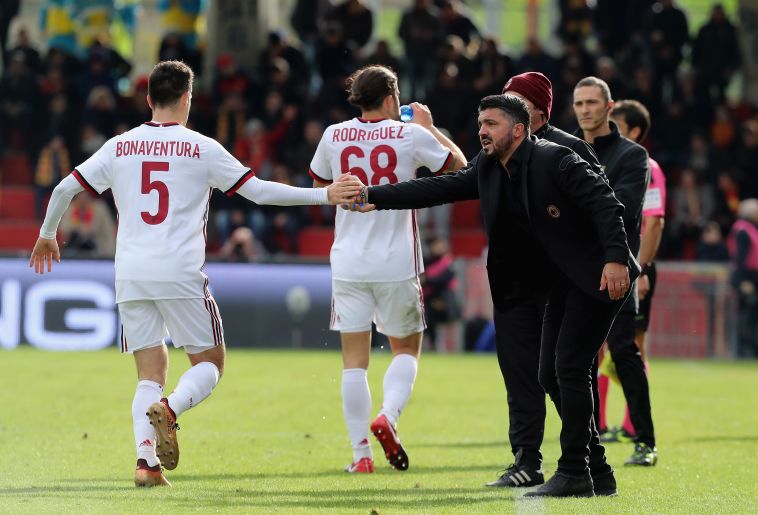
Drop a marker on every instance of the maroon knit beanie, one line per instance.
(535, 87)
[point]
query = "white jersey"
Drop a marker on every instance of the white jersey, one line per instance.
(162, 176)
(378, 246)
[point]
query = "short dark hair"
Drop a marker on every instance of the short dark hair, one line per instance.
(367, 87)
(600, 83)
(514, 107)
(168, 81)
(634, 114)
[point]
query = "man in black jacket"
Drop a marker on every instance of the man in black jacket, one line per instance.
(628, 171)
(518, 324)
(553, 225)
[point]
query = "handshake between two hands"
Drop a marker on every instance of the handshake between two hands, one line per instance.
(350, 193)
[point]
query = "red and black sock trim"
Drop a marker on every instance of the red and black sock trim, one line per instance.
(242, 180)
(87, 186)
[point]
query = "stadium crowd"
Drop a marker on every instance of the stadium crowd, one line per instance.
(58, 107)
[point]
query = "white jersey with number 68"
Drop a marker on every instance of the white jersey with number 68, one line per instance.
(378, 246)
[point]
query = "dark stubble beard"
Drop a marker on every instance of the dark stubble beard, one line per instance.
(500, 149)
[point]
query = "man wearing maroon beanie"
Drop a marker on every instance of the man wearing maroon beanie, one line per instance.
(518, 329)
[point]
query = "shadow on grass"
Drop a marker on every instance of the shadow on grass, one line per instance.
(462, 445)
(360, 497)
(721, 438)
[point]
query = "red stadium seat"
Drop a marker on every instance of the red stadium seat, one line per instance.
(18, 236)
(15, 168)
(316, 241)
(17, 203)
(467, 243)
(466, 215)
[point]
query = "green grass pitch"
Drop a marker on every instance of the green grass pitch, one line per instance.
(271, 439)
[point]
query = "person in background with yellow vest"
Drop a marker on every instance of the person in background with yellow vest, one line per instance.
(743, 249)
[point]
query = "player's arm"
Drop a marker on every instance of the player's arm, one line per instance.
(423, 117)
(46, 249)
(343, 190)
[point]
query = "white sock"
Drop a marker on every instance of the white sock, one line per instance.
(194, 386)
(356, 406)
(398, 385)
(146, 394)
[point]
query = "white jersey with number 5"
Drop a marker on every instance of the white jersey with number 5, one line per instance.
(381, 245)
(161, 176)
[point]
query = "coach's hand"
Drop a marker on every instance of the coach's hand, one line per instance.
(43, 254)
(360, 202)
(344, 189)
(616, 279)
(643, 286)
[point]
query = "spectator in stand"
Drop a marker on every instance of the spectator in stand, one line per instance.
(723, 129)
(257, 149)
(711, 247)
(421, 32)
(174, 47)
(304, 18)
(53, 165)
(608, 71)
(88, 228)
(692, 208)
(63, 121)
(279, 48)
(455, 23)
(452, 51)
(100, 111)
(8, 10)
(727, 201)
(298, 158)
(743, 248)
(91, 141)
(136, 110)
(716, 55)
(24, 46)
(576, 20)
(241, 244)
(96, 73)
(356, 21)
(278, 226)
(747, 157)
(439, 285)
(19, 101)
(382, 56)
(667, 34)
(535, 59)
(492, 68)
(700, 158)
(334, 59)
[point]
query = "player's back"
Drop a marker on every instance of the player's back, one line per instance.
(160, 183)
(380, 245)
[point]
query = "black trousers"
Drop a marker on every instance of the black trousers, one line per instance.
(517, 335)
(631, 371)
(574, 328)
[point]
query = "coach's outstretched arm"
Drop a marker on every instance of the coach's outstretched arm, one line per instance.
(46, 249)
(419, 193)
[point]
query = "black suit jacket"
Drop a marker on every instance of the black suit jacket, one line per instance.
(572, 211)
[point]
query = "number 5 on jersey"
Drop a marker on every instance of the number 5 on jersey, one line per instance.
(148, 186)
(378, 172)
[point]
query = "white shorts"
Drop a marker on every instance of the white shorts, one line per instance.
(194, 324)
(396, 307)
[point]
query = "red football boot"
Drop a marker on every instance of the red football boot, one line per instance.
(387, 436)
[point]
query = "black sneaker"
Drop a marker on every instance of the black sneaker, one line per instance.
(518, 476)
(563, 485)
(604, 484)
(643, 455)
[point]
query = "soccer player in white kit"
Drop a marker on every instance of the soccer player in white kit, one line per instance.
(162, 174)
(376, 259)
